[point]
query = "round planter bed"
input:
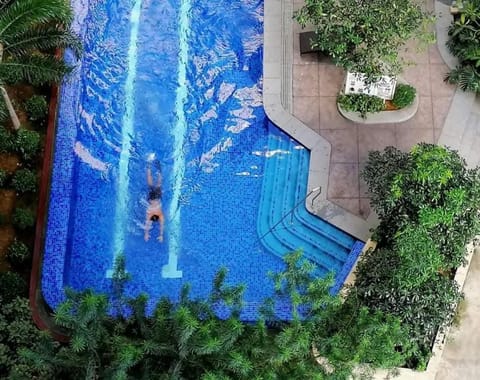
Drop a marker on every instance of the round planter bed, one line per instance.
(383, 117)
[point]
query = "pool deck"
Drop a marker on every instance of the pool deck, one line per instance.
(299, 96)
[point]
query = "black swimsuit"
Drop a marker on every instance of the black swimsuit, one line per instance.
(154, 193)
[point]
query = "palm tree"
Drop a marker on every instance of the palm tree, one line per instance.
(30, 33)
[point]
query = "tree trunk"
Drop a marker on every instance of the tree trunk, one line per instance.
(8, 102)
(11, 110)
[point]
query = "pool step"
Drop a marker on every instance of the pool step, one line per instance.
(284, 224)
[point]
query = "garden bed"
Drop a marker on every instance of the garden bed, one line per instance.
(382, 117)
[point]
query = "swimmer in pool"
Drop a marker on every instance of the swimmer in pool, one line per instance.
(154, 211)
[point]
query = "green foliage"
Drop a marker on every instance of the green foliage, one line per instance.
(365, 336)
(24, 181)
(361, 103)
(464, 43)
(365, 36)
(187, 340)
(27, 143)
(427, 201)
(23, 218)
(30, 31)
(466, 77)
(7, 141)
(18, 253)
(404, 95)
(36, 107)
(419, 255)
(3, 178)
(11, 286)
(432, 186)
(17, 332)
(422, 309)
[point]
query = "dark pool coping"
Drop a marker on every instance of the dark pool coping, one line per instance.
(41, 312)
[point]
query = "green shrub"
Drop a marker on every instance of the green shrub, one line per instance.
(7, 141)
(463, 43)
(3, 177)
(365, 36)
(18, 253)
(361, 103)
(404, 95)
(24, 181)
(27, 143)
(467, 77)
(11, 286)
(23, 218)
(36, 107)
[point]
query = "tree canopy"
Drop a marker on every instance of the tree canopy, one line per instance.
(365, 35)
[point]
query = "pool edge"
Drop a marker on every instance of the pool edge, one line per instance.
(277, 102)
(41, 312)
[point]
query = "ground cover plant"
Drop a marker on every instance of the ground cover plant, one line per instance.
(365, 36)
(364, 104)
(427, 202)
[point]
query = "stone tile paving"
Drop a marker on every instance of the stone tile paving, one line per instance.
(315, 87)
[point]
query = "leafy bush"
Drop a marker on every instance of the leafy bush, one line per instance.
(427, 202)
(365, 36)
(361, 103)
(423, 309)
(431, 187)
(36, 107)
(18, 253)
(11, 286)
(467, 77)
(24, 181)
(464, 43)
(23, 218)
(221, 348)
(7, 141)
(404, 95)
(27, 143)
(3, 177)
(18, 333)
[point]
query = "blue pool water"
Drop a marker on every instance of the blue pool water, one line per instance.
(180, 80)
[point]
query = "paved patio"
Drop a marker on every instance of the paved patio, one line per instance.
(315, 87)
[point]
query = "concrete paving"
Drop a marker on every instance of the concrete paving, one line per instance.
(315, 87)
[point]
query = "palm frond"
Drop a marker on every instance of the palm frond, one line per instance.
(43, 38)
(21, 15)
(35, 69)
(466, 77)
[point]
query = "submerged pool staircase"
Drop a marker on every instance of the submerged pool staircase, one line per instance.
(285, 225)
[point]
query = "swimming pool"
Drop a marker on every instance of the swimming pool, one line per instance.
(180, 80)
